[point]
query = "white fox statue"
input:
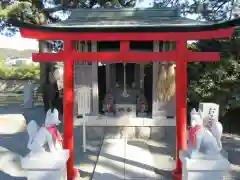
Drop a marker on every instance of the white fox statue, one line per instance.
(47, 137)
(201, 139)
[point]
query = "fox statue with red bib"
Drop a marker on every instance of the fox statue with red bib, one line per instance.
(203, 158)
(47, 137)
(201, 139)
(47, 158)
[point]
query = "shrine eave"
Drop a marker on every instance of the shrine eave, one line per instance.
(171, 32)
(160, 27)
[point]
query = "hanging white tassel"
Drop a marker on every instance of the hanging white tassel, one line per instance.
(124, 94)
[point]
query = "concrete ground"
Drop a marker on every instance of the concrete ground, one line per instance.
(119, 159)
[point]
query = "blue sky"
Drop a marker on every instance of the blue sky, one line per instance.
(17, 42)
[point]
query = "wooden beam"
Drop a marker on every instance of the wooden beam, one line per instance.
(48, 57)
(133, 36)
(124, 46)
(126, 56)
(202, 56)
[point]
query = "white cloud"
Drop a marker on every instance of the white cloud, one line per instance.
(18, 43)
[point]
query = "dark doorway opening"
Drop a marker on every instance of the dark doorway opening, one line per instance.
(148, 81)
(101, 86)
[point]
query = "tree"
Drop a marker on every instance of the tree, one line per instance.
(33, 12)
(217, 82)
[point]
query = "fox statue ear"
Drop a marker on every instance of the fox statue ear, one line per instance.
(200, 113)
(193, 111)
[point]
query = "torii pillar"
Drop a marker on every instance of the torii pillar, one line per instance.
(181, 103)
(68, 60)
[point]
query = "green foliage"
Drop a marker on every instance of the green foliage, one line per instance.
(25, 72)
(15, 10)
(216, 81)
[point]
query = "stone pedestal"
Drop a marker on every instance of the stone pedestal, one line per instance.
(46, 165)
(28, 95)
(110, 114)
(143, 132)
(142, 114)
(203, 168)
(128, 110)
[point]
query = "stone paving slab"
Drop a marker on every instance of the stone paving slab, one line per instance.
(108, 161)
(87, 160)
(120, 160)
(138, 161)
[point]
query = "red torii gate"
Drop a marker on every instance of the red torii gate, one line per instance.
(181, 56)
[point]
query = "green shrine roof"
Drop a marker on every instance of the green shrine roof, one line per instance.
(127, 17)
(127, 20)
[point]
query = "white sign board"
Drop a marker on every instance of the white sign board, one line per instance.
(84, 107)
(84, 100)
(210, 112)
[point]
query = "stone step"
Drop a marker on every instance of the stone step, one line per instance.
(127, 132)
(138, 165)
(145, 133)
(160, 113)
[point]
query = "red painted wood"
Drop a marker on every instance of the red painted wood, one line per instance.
(134, 36)
(202, 56)
(109, 56)
(181, 103)
(126, 56)
(124, 46)
(48, 57)
(68, 106)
